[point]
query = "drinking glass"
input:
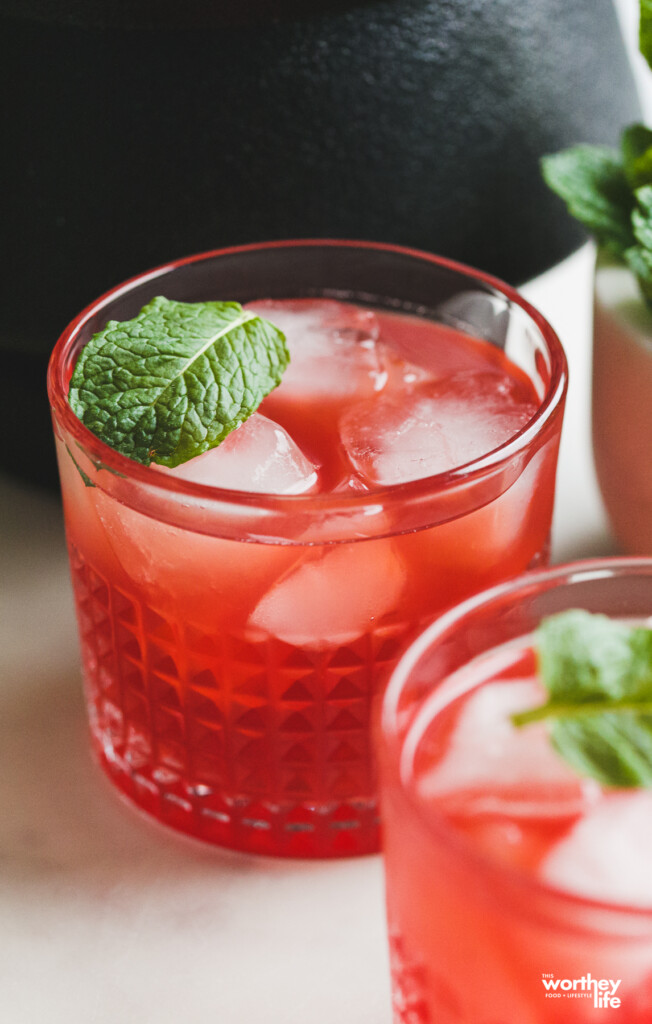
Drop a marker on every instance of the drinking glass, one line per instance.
(256, 737)
(475, 939)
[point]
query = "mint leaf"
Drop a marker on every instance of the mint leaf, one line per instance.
(598, 673)
(636, 148)
(591, 181)
(645, 30)
(174, 381)
(83, 474)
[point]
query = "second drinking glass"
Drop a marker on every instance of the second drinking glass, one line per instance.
(518, 887)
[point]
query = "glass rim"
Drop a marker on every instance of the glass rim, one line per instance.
(581, 570)
(366, 502)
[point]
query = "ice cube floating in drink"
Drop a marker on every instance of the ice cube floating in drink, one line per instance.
(239, 614)
(515, 888)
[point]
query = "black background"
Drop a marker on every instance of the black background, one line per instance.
(137, 132)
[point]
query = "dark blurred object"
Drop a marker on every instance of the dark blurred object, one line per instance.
(136, 132)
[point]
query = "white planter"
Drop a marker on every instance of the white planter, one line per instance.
(622, 404)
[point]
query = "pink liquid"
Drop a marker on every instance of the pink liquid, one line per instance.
(230, 682)
(508, 875)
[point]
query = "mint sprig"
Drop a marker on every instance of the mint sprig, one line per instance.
(591, 181)
(174, 381)
(598, 674)
(610, 192)
(606, 189)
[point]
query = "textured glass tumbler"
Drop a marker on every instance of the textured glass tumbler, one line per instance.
(258, 738)
(473, 939)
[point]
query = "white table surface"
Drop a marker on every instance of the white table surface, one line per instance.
(105, 918)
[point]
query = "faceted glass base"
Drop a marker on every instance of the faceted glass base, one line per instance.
(244, 741)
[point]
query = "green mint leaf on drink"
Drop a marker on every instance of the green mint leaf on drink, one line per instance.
(85, 477)
(598, 674)
(592, 182)
(174, 381)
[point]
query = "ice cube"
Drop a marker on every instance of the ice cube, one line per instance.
(332, 348)
(259, 457)
(466, 552)
(334, 595)
(606, 855)
(200, 579)
(446, 424)
(419, 349)
(492, 767)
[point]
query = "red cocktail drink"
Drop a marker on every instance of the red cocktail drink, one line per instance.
(518, 890)
(239, 613)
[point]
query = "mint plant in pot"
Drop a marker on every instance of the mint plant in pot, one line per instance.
(610, 192)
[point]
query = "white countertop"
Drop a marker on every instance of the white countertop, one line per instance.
(107, 918)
